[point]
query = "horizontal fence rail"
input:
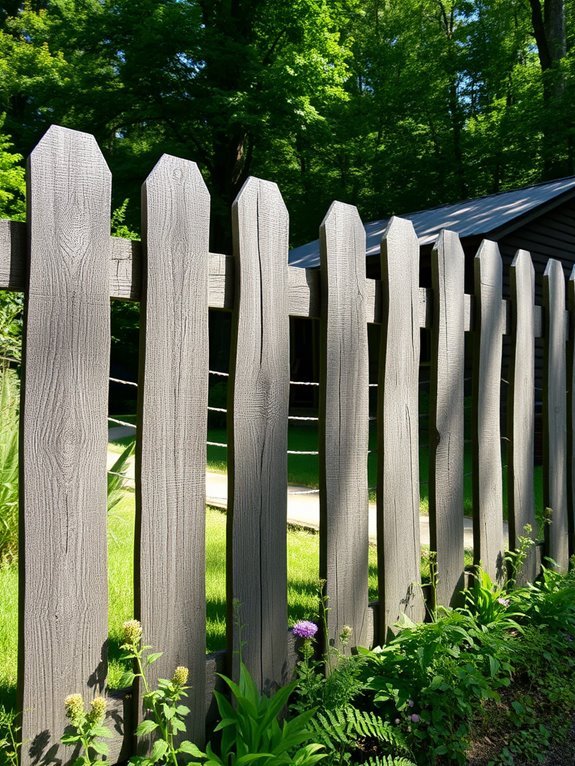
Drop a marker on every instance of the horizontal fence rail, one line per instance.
(69, 267)
(303, 284)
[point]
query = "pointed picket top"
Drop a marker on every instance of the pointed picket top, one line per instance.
(177, 171)
(262, 195)
(554, 271)
(342, 215)
(399, 242)
(448, 240)
(523, 261)
(400, 228)
(342, 233)
(74, 147)
(489, 258)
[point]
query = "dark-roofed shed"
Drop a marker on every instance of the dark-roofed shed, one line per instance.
(540, 219)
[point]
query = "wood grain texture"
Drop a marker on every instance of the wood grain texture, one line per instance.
(571, 413)
(398, 530)
(521, 408)
(343, 423)
(446, 424)
(555, 415)
(171, 438)
(257, 468)
(486, 447)
(63, 568)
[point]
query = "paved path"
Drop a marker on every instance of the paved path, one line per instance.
(303, 507)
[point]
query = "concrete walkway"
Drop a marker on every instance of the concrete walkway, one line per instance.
(303, 505)
(303, 509)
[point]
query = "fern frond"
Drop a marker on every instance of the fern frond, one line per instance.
(343, 728)
(388, 760)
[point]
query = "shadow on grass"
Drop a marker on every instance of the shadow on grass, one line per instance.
(8, 696)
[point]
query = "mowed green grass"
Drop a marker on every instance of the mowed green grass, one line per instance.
(304, 469)
(303, 589)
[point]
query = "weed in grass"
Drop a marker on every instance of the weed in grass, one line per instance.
(9, 737)
(86, 730)
(9, 407)
(165, 712)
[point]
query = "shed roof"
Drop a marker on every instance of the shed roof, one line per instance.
(470, 218)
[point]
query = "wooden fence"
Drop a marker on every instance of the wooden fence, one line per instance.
(69, 267)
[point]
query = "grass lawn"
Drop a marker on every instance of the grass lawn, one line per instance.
(304, 469)
(303, 565)
(303, 573)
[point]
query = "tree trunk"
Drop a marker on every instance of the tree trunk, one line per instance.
(550, 35)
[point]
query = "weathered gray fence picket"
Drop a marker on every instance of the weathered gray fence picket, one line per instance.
(74, 268)
(555, 405)
(173, 406)
(446, 428)
(398, 430)
(63, 573)
(487, 468)
(344, 413)
(521, 407)
(259, 381)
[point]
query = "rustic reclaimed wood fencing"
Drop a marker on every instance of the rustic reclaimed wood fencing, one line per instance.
(69, 267)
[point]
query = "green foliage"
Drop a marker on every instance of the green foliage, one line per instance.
(348, 731)
(12, 180)
(391, 106)
(9, 408)
(86, 730)
(9, 740)
(165, 711)
(119, 225)
(431, 677)
(251, 728)
(117, 476)
(11, 310)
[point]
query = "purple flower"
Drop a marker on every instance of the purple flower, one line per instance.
(411, 703)
(304, 629)
(415, 718)
(503, 601)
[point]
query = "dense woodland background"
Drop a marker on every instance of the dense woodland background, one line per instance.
(393, 105)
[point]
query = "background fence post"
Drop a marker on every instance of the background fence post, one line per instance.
(63, 612)
(555, 414)
(344, 424)
(571, 413)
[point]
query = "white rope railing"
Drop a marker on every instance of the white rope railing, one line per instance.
(124, 382)
(122, 423)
